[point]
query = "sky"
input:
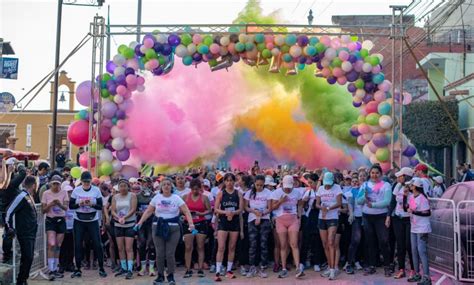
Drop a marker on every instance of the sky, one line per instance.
(30, 26)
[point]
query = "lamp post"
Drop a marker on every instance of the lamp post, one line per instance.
(91, 3)
(310, 17)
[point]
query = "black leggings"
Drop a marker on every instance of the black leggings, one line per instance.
(311, 242)
(145, 243)
(92, 228)
(66, 253)
(401, 227)
(375, 231)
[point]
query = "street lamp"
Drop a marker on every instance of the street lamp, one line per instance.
(91, 3)
(310, 17)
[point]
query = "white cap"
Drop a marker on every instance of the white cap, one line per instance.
(288, 181)
(269, 181)
(133, 180)
(416, 182)
(405, 171)
(206, 182)
(438, 179)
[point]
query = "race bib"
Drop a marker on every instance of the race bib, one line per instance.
(288, 209)
(122, 214)
(57, 210)
(230, 209)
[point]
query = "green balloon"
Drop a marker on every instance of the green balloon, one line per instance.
(207, 40)
(122, 48)
(354, 38)
(249, 46)
(259, 38)
(372, 119)
(285, 49)
(261, 46)
(382, 154)
(239, 47)
(161, 60)
(129, 53)
(186, 39)
(106, 168)
(212, 62)
(77, 116)
(287, 57)
(187, 60)
(150, 54)
(104, 93)
(336, 62)
(266, 53)
(359, 83)
(374, 60)
(106, 77)
(234, 29)
(76, 172)
(361, 119)
(364, 53)
(320, 47)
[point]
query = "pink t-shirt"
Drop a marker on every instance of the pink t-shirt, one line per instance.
(55, 211)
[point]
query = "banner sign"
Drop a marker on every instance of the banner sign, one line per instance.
(8, 68)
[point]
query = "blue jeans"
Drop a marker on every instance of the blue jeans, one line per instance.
(419, 244)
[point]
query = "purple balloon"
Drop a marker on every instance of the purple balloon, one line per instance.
(235, 58)
(369, 86)
(158, 47)
(110, 67)
(108, 145)
(409, 151)
(352, 59)
(167, 49)
(109, 109)
(174, 40)
(110, 82)
(316, 58)
(197, 57)
(128, 171)
(158, 71)
(351, 87)
(380, 140)
(359, 45)
(354, 132)
(302, 59)
(352, 76)
(129, 71)
(414, 162)
(120, 114)
(302, 41)
(367, 98)
(123, 154)
(121, 80)
(309, 61)
(367, 77)
(331, 79)
(104, 134)
(217, 40)
(138, 52)
(319, 65)
(112, 89)
(356, 104)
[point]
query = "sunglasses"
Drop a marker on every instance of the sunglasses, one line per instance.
(86, 181)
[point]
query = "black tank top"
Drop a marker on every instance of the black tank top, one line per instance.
(230, 202)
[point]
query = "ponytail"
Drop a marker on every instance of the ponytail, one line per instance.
(254, 190)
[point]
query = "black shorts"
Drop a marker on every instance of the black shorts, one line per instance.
(228, 226)
(124, 232)
(57, 224)
(201, 227)
(324, 225)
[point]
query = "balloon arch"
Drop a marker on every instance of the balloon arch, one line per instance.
(341, 60)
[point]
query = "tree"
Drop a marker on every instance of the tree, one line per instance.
(427, 125)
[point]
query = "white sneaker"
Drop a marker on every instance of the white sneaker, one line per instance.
(326, 273)
(332, 274)
(243, 271)
(358, 266)
(252, 272)
(301, 266)
(317, 268)
(345, 266)
(262, 274)
(337, 271)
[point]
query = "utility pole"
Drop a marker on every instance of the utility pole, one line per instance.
(139, 20)
(56, 85)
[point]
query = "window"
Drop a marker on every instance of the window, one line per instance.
(61, 141)
(5, 132)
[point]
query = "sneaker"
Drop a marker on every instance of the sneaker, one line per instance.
(425, 281)
(58, 274)
(326, 273)
(392, 268)
(283, 273)
(412, 273)
(218, 277)
(415, 278)
(276, 267)
(121, 272)
(94, 265)
(201, 273)
(243, 271)
(142, 271)
(332, 274)
(316, 268)
(345, 266)
(160, 279)
(51, 276)
(337, 272)
(400, 274)
(349, 269)
(387, 272)
(188, 274)
(252, 272)
(222, 271)
(61, 270)
(230, 275)
(102, 273)
(369, 271)
(151, 271)
(117, 269)
(212, 269)
(358, 266)
(129, 275)
(299, 273)
(76, 274)
(262, 274)
(170, 279)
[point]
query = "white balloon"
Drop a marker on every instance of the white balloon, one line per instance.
(367, 67)
(117, 132)
(181, 51)
(133, 44)
(119, 70)
(191, 48)
(346, 66)
(118, 99)
(143, 49)
(118, 143)
(116, 165)
(105, 155)
(225, 41)
(119, 59)
(162, 39)
(367, 45)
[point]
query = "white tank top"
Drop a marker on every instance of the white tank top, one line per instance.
(123, 205)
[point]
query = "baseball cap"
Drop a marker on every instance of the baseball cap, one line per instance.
(56, 179)
(421, 167)
(269, 180)
(438, 179)
(86, 175)
(328, 179)
(133, 180)
(416, 182)
(288, 181)
(206, 183)
(405, 171)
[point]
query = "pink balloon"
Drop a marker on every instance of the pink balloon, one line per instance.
(131, 79)
(371, 107)
(148, 43)
(270, 46)
(104, 134)
(352, 46)
(385, 86)
(342, 80)
(343, 55)
(197, 39)
(214, 48)
(373, 148)
(78, 133)
(376, 69)
(363, 128)
(361, 140)
(152, 64)
(140, 80)
(121, 90)
(83, 159)
(379, 96)
(407, 98)
(268, 39)
(326, 72)
(385, 166)
(335, 43)
(107, 123)
(338, 72)
(126, 105)
(358, 65)
(326, 40)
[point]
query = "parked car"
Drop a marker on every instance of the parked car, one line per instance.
(442, 247)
